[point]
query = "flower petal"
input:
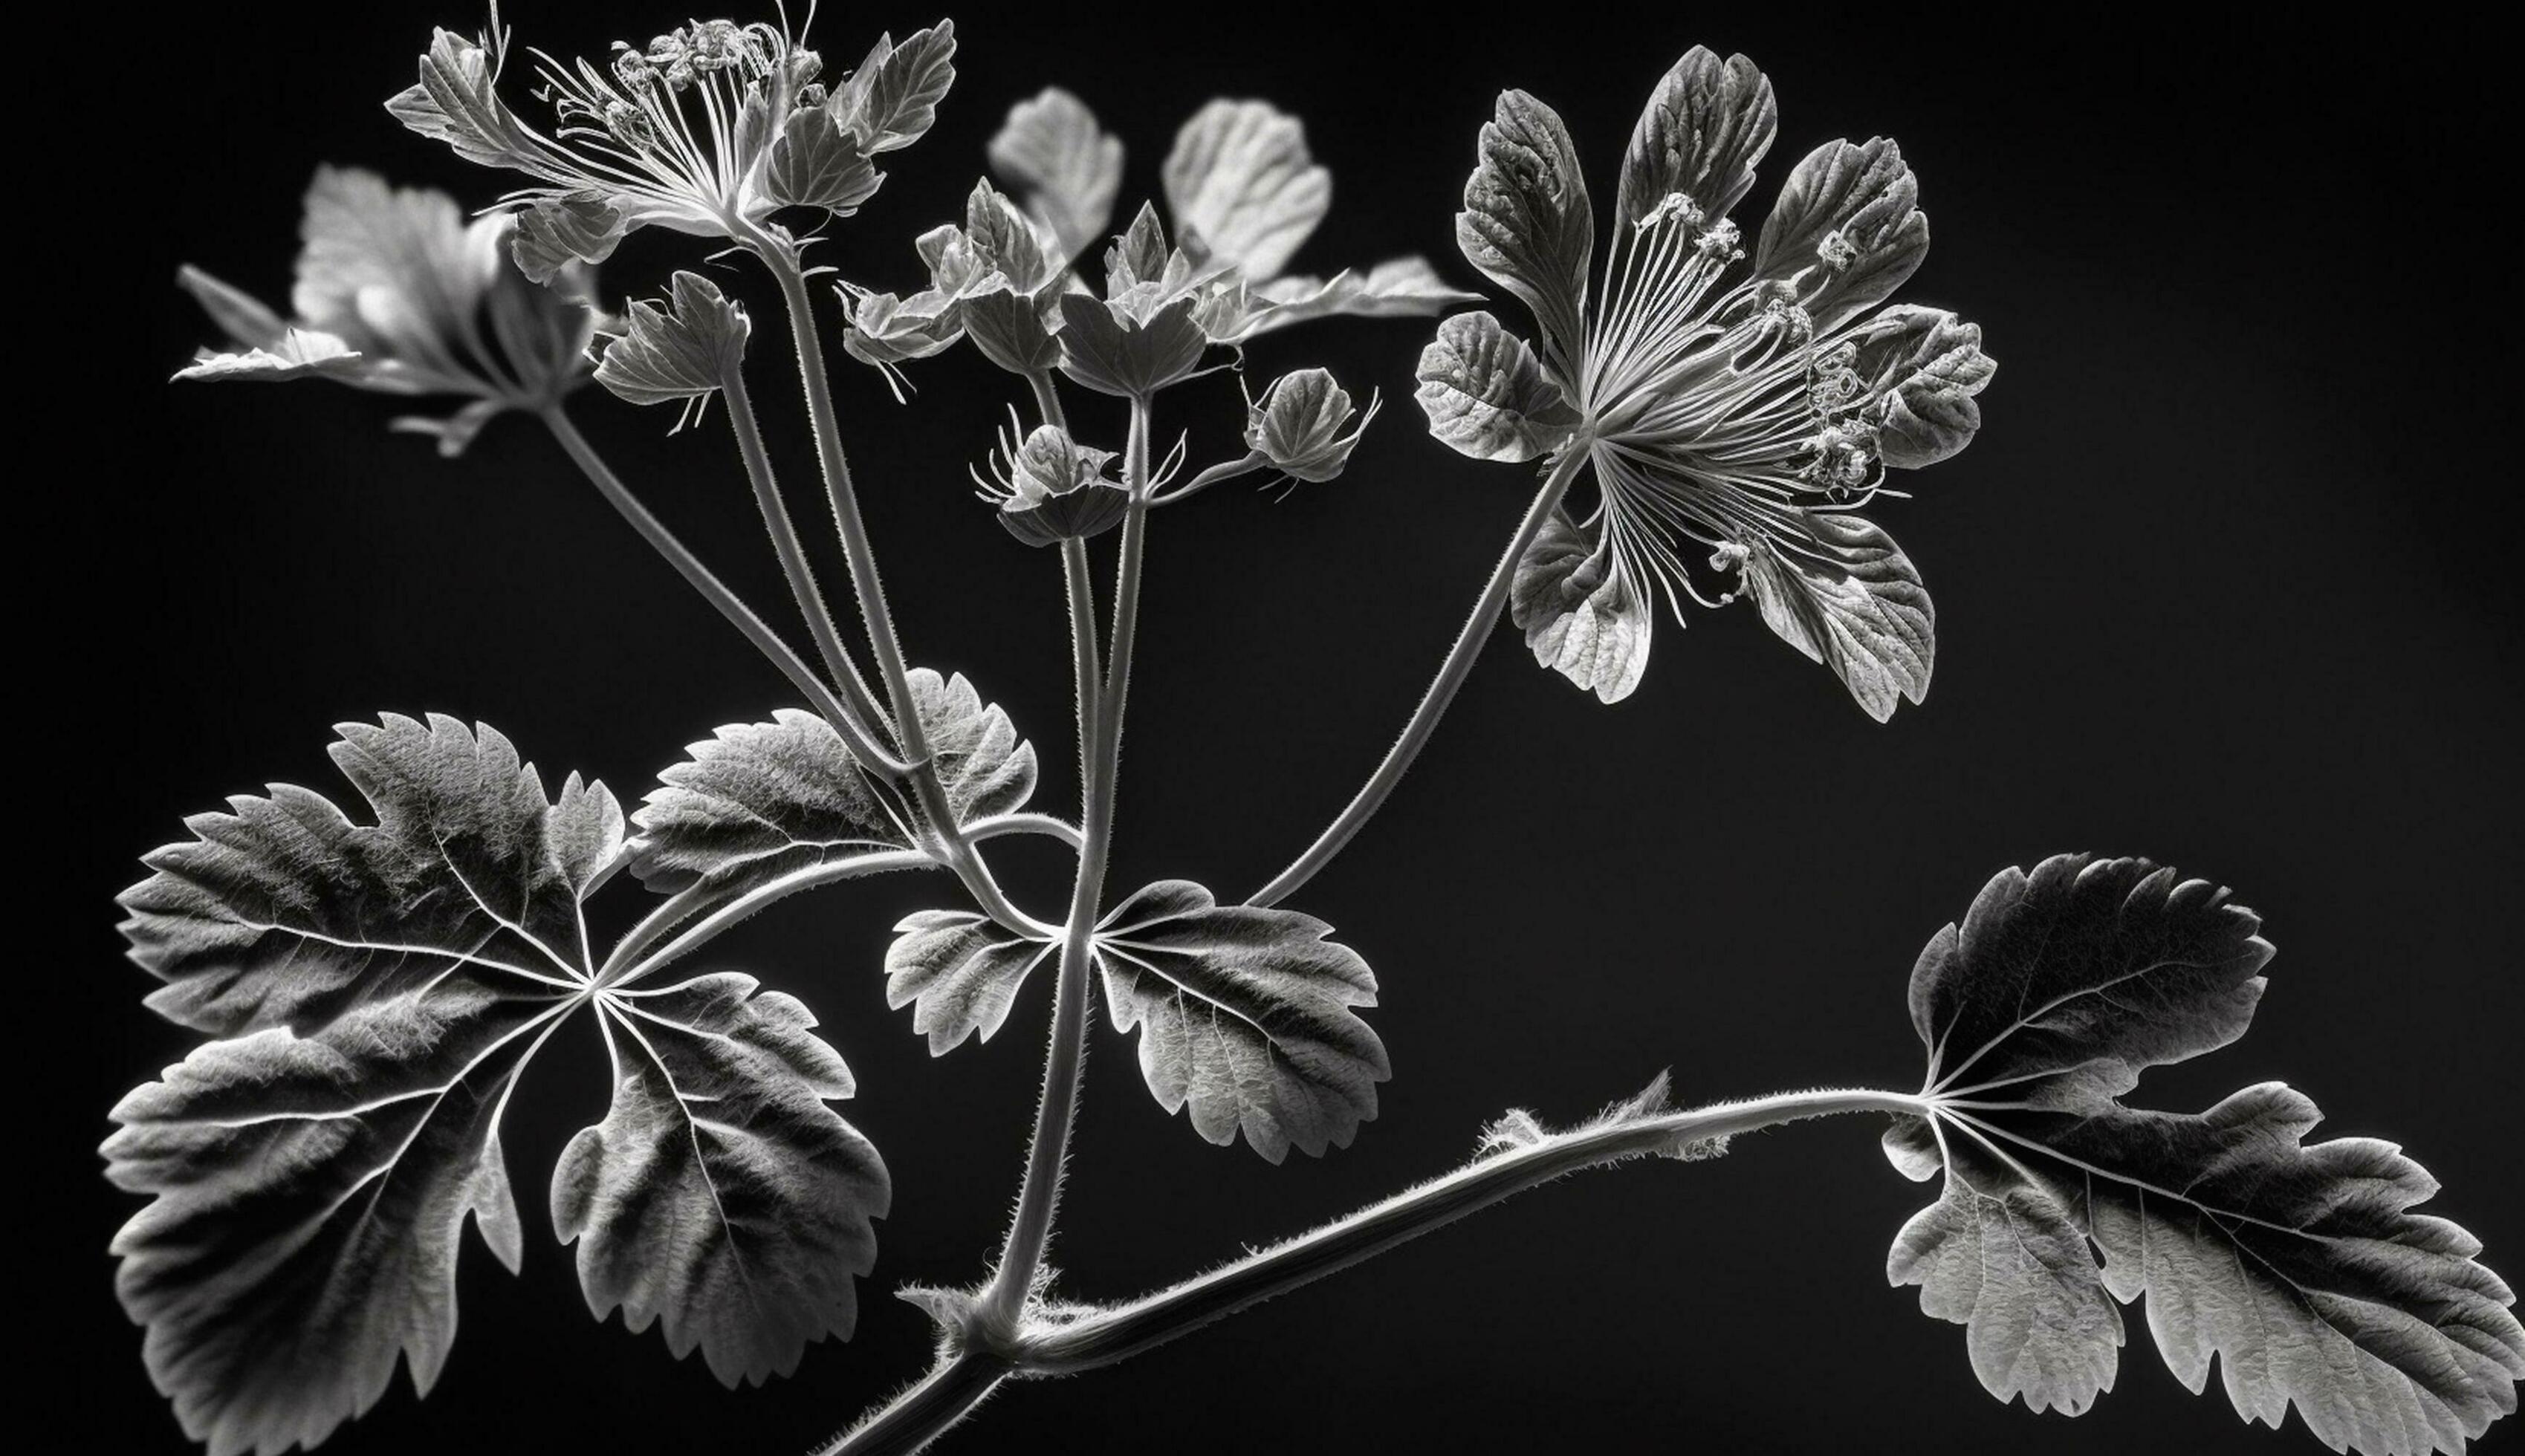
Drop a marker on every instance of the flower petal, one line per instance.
(241, 316)
(1848, 598)
(1241, 179)
(1923, 367)
(1487, 395)
(1580, 613)
(1859, 202)
(890, 101)
(555, 232)
(1526, 220)
(1706, 126)
(390, 270)
(297, 355)
(1069, 169)
(456, 102)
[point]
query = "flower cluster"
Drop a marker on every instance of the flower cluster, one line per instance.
(708, 131)
(397, 293)
(1750, 403)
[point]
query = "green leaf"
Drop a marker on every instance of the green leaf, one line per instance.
(892, 99)
(1582, 616)
(817, 162)
(1705, 128)
(721, 1198)
(1849, 218)
(1241, 181)
(1526, 222)
(1844, 593)
(1922, 368)
(1063, 163)
(1244, 1018)
(667, 355)
(2300, 1267)
(1486, 394)
(959, 972)
(372, 992)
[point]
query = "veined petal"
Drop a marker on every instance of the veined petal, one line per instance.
(1487, 395)
(389, 271)
(1063, 163)
(1847, 597)
(890, 101)
(1851, 214)
(555, 232)
(1581, 614)
(456, 102)
(1706, 126)
(1922, 367)
(1526, 220)
(1241, 180)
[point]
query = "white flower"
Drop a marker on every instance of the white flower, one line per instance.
(396, 292)
(1749, 404)
(706, 130)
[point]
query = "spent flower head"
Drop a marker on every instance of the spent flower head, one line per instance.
(1297, 426)
(397, 293)
(1049, 487)
(708, 129)
(1748, 401)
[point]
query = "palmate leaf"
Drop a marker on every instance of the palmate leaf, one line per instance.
(2302, 1268)
(1244, 1014)
(761, 801)
(373, 991)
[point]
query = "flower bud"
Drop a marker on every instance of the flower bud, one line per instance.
(1297, 426)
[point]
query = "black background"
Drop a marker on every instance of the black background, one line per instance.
(2222, 582)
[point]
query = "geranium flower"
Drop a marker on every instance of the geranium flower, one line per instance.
(399, 294)
(706, 130)
(1749, 406)
(1242, 192)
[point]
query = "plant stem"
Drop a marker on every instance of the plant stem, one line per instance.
(922, 1414)
(1070, 1343)
(794, 564)
(1114, 1334)
(1433, 703)
(1002, 1306)
(703, 580)
(782, 260)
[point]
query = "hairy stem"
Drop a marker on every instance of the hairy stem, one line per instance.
(1106, 1335)
(781, 259)
(926, 1411)
(1003, 1304)
(844, 672)
(705, 581)
(1433, 704)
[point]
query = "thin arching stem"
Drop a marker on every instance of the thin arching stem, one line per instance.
(1003, 1303)
(794, 564)
(703, 580)
(1442, 692)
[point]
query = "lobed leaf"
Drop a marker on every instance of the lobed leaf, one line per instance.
(1244, 1018)
(373, 991)
(2302, 1269)
(1066, 167)
(959, 972)
(1241, 181)
(721, 1198)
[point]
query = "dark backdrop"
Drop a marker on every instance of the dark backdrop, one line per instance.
(2220, 583)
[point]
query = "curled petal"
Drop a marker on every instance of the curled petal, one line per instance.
(1526, 220)
(1848, 219)
(1706, 126)
(1848, 598)
(555, 232)
(1580, 613)
(1487, 395)
(1922, 367)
